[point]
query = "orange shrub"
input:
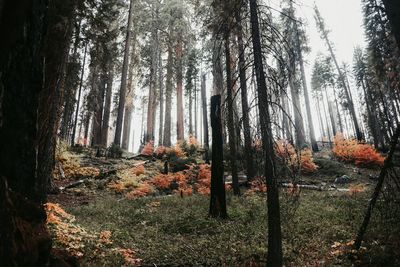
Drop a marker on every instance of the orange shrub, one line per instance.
(355, 189)
(142, 190)
(350, 150)
(117, 187)
(286, 152)
(138, 170)
(160, 151)
(178, 151)
(162, 181)
(257, 185)
(148, 149)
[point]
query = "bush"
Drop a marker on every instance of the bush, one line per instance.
(288, 155)
(350, 150)
(148, 149)
(114, 151)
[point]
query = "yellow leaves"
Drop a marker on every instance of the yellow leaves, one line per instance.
(350, 150)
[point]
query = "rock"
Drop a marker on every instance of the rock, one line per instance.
(344, 179)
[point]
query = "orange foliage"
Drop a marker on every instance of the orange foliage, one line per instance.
(257, 185)
(350, 150)
(55, 214)
(142, 190)
(162, 181)
(148, 149)
(138, 170)
(355, 189)
(204, 179)
(129, 257)
(116, 187)
(178, 151)
(160, 151)
(105, 237)
(286, 152)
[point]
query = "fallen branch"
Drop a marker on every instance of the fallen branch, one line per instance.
(72, 185)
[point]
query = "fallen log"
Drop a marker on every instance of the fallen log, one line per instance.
(72, 185)
(107, 173)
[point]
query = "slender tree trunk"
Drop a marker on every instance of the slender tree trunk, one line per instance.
(298, 118)
(179, 90)
(79, 96)
(168, 98)
(205, 118)
(195, 107)
(231, 126)
(98, 113)
(314, 145)
(122, 92)
(107, 106)
(326, 121)
(386, 166)
(274, 257)
(321, 124)
(217, 194)
(338, 112)
(245, 105)
(160, 82)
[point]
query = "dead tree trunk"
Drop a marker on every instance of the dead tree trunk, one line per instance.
(217, 196)
(386, 166)
(274, 257)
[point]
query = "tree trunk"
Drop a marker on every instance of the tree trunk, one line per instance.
(314, 145)
(217, 192)
(179, 90)
(231, 122)
(393, 12)
(129, 98)
(99, 108)
(205, 118)
(24, 239)
(298, 118)
(122, 92)
(168, 98)
(160, 82)
(386, 166)
(79, 97)
(59, 33)
(245, 105)
(107, 106)
(274, 257)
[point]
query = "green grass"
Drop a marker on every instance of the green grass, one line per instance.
(177, 231)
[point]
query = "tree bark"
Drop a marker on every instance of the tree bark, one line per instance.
(205, 118)
(107, 105)
(161, 99)
(168, 98)
(217, 194)
(79, 97)
(122, 92)
(274, 257)
(179, 90)
(231, 122)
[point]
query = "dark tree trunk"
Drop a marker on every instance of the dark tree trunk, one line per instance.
(168, 99)
(205, 118)
(99, 108)
(59, 32)
(386, 166)
(217, 197)
(231, 122)
(24, 240)
(122, 91)
(274, 257)
(245, 104)
(393, 12)
(298, 118)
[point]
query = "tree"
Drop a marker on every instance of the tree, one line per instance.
(122, 92)
(274, 257)
(244, 99)
(324, 35)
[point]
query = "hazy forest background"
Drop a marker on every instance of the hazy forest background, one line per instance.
(199, 133)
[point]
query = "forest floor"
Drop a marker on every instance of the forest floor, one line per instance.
(105, 226)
